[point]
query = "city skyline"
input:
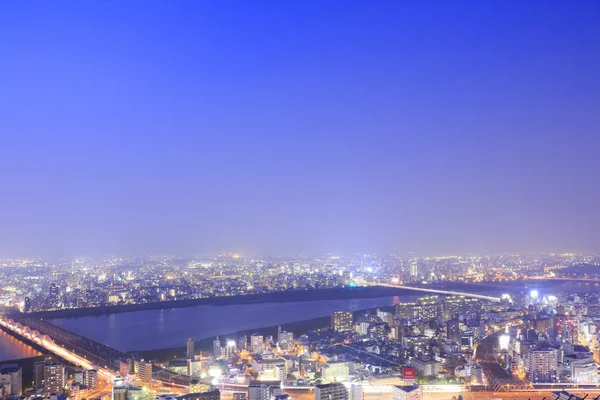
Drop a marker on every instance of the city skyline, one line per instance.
(286, 127)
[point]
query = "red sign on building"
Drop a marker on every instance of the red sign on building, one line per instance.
(408, 374)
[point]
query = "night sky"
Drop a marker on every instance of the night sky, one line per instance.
(270, 127)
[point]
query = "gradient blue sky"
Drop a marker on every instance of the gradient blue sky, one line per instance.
(304, 125)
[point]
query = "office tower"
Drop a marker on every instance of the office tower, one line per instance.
(331, 391)
(542, 365)
(341, 321)
(54, 378)
(143, 370)
(230, 348)
(189, 349)
(263, 390)
(38, 375)
(256, 343)
(414, 269)
(217, 348)
(240, 396)
(285, 340)
(412, 392)
(91, 378)
(12, 374)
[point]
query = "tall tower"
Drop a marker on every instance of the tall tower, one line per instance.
(414, 269)
(189, 349)
(217, 348)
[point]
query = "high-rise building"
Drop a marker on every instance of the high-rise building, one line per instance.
(143, 371)
(91, 378)
(414, 269)
(217, 348)
(230, 348)
(194, 368)
(423, 309)
(38, 375)
(412, 392)
(264, 390)
(428, 308)
(331, 391)
(341, 321)
(256, 343)
(285, 340)
(461, 306)
(54, 378)
(189, 349)
(542, 365)
(12, 374)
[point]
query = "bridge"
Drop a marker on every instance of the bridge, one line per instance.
(439, 291)
(82, 351)
(49, 344)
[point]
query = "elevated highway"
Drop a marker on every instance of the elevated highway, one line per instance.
(49, 344)
(82, 351)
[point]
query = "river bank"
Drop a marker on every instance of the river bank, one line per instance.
(274, 297)
(299, 328)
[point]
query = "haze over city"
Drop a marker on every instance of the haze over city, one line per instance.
(271, 127)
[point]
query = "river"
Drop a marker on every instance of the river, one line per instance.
(153, 329)
(12, 348)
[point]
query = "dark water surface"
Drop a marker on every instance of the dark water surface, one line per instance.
(153, 329)
(12, 348)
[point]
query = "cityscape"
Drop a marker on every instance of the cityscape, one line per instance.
(299, 200)
(518, 324)
(34, 285)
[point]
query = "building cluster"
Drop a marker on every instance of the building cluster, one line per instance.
(40, 285)
(51, 378)
(556, 341)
